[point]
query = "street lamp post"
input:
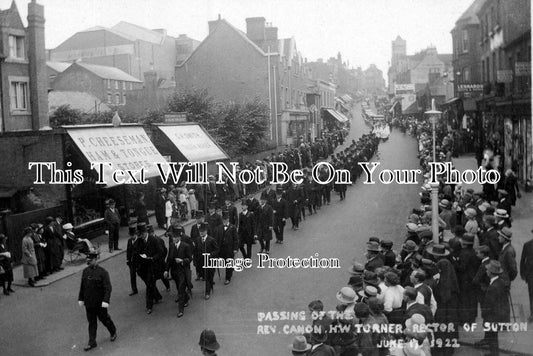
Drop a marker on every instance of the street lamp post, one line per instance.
(434, 115)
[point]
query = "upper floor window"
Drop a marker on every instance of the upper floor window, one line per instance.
(116, 84)
(131, 86)
(464, 38)
(117, 99)
(123, 85)
(16, 47)
(18, 95)
(108, 83)
(466, 75)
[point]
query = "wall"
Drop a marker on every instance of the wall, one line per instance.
(25, 147)
(15, 122)
(227, 66)
(75, 79)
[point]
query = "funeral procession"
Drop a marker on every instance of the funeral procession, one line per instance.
(262, 177)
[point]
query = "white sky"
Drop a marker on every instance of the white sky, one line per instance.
(362, 30)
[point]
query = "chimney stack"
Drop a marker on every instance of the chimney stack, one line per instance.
(255, 29)
(37, 66)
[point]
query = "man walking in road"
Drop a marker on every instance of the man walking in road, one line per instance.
(526, 272)
(112, 220)
(209, 247)
(95, 292)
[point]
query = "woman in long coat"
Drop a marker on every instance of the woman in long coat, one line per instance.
(29, 260)
(39, 245)
(6, 278)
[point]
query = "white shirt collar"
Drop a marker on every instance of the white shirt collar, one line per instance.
(493, 279)
(486, 258)
(315, 346)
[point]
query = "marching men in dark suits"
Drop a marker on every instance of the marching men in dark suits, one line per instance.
(95, 293)
(177, 264)
(112, 220)
(228, 242)
(131, 259)
(507, 256)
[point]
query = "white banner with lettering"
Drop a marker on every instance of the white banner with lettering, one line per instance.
(194, 143)
(126, 148)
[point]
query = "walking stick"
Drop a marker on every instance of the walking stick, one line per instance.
(512, 307)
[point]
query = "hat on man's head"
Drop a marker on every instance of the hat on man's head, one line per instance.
(225, 215)
(374, 239)
(110, 201)
(467, 239)
(425, 234)
(48, 219)
(320, 330)
(299, 344)
(356, 281)
(506, 233)
(373, 246)
(203, 226)
(141, 227)
(68, 226)
(199, 214)
(371, 291)
(415, 319)
(346, 295)
(445, 203)
(386, 244)
(132, 230)
(471, 213)
(361, 310)
(411, 227)
(494, 267)
(409, 246)
(208, 340)
(356, 268)
(212, 206)
(501, 213)
(438, 250)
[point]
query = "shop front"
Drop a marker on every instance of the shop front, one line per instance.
(294, 127)
(333, 119)
(127, 157)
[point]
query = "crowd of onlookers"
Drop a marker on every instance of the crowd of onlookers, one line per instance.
(441, 280)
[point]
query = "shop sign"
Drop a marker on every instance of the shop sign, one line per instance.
(175, 117)
(404, 88)
(504, 76)
(463, 88)
(522, 69)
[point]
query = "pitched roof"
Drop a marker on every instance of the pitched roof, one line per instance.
(58, 66)
(134, 32)
(108, 72)
(239, 32)
(469, 16)
(84, 102)
(11, 17)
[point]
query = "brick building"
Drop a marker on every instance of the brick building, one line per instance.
(108, 84)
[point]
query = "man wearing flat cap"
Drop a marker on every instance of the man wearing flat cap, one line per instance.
(373, 255)
(94, 294)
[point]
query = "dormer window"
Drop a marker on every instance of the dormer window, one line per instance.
(16, 47)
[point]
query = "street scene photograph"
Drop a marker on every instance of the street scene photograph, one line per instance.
(264, 177)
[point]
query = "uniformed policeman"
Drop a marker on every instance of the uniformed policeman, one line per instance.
(95, 292)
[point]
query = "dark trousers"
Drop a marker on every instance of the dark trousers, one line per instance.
(133, 278)
(113, 237)
(530, 290)
(279, 226)
(229, 271)
(152, 294)
(246, 248)
(209, 275)
(198, 266)
(181, 286)
(343, 194)
(265, 244)
(166, 283)
(103, 316)
(492, 338)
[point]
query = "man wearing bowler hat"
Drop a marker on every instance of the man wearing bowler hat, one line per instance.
(94, 294)
(264, 225)
(196, 244)
(208, 343)
(299, 346)
(507, 256)
(228, 242)
(373, 255)
(246, 230)
(177, 267)
(209, 247)
(389, 256)
(496, 307)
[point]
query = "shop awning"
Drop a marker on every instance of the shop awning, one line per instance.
(412, 109)
(337, 115)
(393, 106)
(452, 100)
(194, 143)
(125, 147)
